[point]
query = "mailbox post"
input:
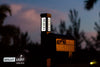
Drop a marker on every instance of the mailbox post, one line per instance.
(45, 27)
(45, 30)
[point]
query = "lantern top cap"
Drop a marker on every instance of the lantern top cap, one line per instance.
(45, 15)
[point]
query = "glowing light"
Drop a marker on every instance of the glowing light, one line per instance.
(49, 24)
(43, 24)
(93, 62)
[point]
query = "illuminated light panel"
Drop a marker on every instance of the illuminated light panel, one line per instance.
(49, 24)
(43, 24)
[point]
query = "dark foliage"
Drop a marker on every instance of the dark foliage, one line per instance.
(74, 28)
(62, 27)
(97, 39)
(89, 4)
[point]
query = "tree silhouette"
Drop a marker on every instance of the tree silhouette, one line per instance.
(53, 29)
(74, 28)
(89, 44)
(7, 32)
(24, 41)
(62, 27)
(89, 4)
(97, 39)
(3, 10)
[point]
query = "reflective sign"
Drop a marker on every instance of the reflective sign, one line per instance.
(49, 24)
(43, 27)
(65, 45)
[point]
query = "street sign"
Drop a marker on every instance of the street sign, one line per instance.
(65, 45)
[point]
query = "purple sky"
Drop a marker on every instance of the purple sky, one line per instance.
(26, 14)
(29, 19)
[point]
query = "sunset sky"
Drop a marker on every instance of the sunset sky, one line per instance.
(26, 14)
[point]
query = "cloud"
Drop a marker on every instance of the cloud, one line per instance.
(89, 34)
(83, 45)
(56, 15)
(29, 19)
(15, 8)
(31, 15)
